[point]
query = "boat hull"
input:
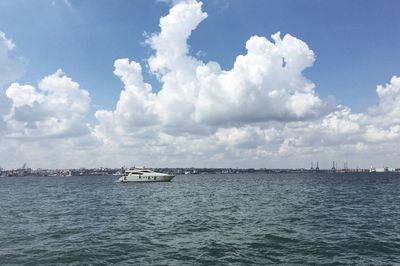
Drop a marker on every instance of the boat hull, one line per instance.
(155, 178)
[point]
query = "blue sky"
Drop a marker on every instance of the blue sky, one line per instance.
(355, 45)
(355, 41)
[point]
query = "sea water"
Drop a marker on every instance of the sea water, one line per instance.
(246, 219)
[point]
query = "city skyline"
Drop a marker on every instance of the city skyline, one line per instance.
(203, 84)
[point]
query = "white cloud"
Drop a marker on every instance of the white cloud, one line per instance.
(56, 109)
(23, 95)
(133, 110)
(7, 44)
(68, 3)
(246, 136)
(262, 109)
(342, 121)
(11, 67)
(376, 130)
(383, 120)
(388, 108)
(265, 84)
(259, 87)
(376, 134)
(261, 113)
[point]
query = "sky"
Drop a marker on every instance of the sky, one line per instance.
(217, 83)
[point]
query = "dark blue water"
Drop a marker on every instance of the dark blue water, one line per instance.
(202, 220)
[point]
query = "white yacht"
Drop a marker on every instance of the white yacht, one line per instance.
(143, 175)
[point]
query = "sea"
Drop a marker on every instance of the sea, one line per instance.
(222, 219)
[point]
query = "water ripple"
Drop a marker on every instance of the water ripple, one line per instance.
(202, 220)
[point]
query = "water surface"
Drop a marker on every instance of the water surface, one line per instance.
(201, 220)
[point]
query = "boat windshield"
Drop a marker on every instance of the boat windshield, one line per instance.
(145, 171)
(137, 172)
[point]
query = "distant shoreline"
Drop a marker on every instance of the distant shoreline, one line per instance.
(182, 171)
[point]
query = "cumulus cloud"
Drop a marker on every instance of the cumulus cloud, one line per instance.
(246, 137)
(377, 130)
(265, 84)
(56, 108)
(44, 125)
(260, 87)
(264, 108)
(384, 119)
(133, 110)
(376, 134)
(261, 112)
(388, 107)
